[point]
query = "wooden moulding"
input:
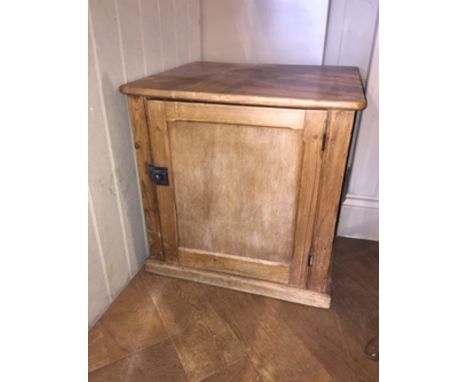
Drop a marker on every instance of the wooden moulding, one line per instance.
(239, 115)
(262, 288)
(314, 130)
(238, 265)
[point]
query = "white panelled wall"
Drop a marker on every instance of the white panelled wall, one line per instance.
(128, 39)
(267, 32)
(360, 209)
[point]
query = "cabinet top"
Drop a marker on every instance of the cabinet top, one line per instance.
(298, 86)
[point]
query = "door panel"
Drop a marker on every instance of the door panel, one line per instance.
(235, 188)
(234, 196)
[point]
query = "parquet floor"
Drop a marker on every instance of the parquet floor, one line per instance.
(163, 329)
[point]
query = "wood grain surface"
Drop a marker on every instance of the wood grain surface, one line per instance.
(136, 107)
(161, 153)
(164, 329)
(236, 265)
(235, 188)
(238, 115)
(204, 342)
(243, 284)
(255, 163)
(297, 86)
(130, 324)
(314, 133)
(338, 138)
(276, 353)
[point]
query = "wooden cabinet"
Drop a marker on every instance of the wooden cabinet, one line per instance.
(241, 168)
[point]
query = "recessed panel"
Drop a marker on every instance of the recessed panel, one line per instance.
(236, 188)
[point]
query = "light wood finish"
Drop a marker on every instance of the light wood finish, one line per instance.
(299, 86)
(237, 265)
(158, 363)
(264, 288)
(214, 334)
(204, 342)
(338, 136)
(242, 370)
(239, 115)
(161, 153)
(131, 323)
(255, 163)
(275, 351)
(314, 134)
(136, 108)
(234, 194)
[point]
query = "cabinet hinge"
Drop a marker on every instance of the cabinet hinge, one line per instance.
(324, 141)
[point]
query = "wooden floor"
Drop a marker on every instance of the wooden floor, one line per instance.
(162, 329)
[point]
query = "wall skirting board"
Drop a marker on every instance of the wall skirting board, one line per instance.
(359, 217)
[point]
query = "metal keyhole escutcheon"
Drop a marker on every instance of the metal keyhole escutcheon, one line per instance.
(158, 175)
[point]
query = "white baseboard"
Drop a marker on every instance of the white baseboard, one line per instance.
(359, 217)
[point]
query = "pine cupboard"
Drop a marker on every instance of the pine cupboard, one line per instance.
(241, 169)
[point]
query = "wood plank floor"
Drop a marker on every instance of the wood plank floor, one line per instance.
(163, 329)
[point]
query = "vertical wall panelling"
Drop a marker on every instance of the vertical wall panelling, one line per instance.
(128, 39)
(168, 33)
(133, 26)
(150, 29)
(350, 33)
(360, 210)
(111, 75)
(181, 30)
(364, 178)
(264, 31)
(101, 180)
(99, 293)
(193, 22)
(134, 57)
(349, 41)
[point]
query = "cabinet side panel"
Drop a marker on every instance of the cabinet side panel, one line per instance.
(340, 124)
(136, 107)
(236, 188)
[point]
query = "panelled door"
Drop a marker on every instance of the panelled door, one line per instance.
(237, 186)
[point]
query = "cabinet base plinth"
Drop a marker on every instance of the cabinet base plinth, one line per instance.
(263, 288)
